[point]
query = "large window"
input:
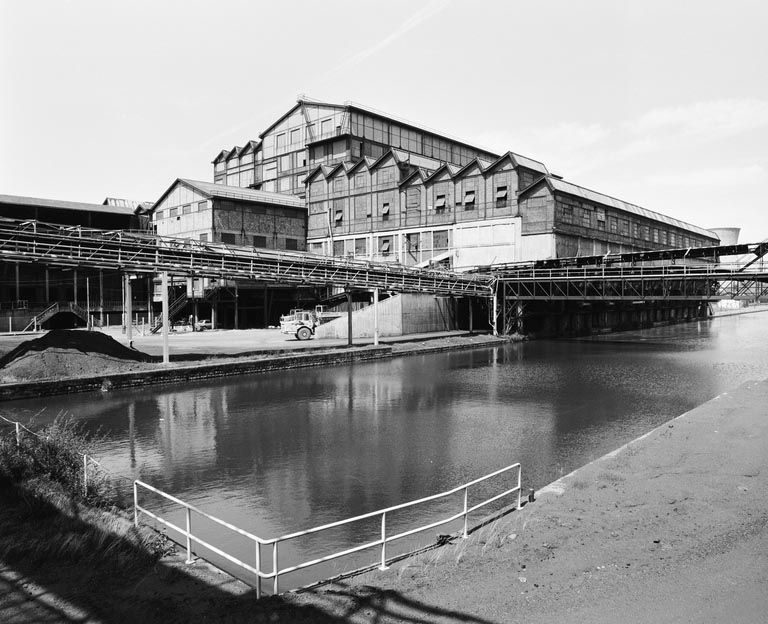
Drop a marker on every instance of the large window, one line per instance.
(469, 199)
(228, 238)
(586, 217)
(260, 241)
(291, 244)
(270, 170)
(440, 240)
(412, 198)
(385, 245)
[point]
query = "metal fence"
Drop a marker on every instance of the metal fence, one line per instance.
(90, 465)
(276, 572)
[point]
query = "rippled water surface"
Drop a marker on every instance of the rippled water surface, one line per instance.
(288, 450)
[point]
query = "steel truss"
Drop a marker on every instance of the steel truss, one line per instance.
(53, 245)
(700, 282)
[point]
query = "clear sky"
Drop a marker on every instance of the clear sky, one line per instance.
(661, 103)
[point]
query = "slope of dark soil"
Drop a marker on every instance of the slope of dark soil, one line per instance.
(64, 353)
(83, 341)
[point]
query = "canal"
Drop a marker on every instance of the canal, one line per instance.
(284, 451)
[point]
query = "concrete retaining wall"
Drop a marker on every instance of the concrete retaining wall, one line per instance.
(175, 374)
(399, 315)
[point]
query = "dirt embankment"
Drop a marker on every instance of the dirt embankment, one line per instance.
(69, 353)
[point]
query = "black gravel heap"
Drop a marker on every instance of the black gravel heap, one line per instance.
(84, 341)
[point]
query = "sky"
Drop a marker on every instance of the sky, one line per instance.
(660, 103)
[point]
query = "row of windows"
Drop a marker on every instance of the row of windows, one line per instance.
(180, 210)
(437, 241)
(572, 213)
(424, 143)
(258, 241)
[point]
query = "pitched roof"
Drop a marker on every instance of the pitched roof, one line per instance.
(251, 145)
(236, 192)
(209, 189)
(556, 184)
(299, 103)
(60, 204)
(519, 161)
(222, 155)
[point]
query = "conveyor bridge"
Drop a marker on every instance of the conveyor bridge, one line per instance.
(132, 252)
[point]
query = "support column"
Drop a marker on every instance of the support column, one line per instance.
(375, 316)
(504, 326)
(349, 318)
(101, 297)
(88, 303)
(520, 322)
(469, 300)
(266, 307)
(236, 308)
(47, 287)
(194, 313)
(166, 357)
(74, 274)
(150, 283)
(128, 311)
(18, 285)
(214, 305)
(495, 323)
(122, 302)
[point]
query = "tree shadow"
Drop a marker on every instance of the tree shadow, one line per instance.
(55, 566)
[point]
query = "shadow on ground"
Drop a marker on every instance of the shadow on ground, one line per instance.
(57, 567)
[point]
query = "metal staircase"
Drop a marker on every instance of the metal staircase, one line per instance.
(176, 306)
(52, 310)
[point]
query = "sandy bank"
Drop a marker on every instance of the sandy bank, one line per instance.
(670, 528)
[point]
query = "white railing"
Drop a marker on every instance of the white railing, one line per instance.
(385, 539)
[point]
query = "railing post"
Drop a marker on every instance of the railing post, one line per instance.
(85, 475)
(135, 505)
(383, 565)
(189, 536)
(258, 570)
(274, 568)
(18, 435)
(519, 484)
(466, 496)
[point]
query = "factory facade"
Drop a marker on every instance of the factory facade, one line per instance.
(378, 188)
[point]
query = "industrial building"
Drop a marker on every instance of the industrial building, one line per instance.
(383, 189)
(232, 215)
(50, 297)
(340, 180)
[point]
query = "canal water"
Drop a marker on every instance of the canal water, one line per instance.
(285, 451)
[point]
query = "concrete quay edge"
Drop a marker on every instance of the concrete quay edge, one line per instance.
(224, 368)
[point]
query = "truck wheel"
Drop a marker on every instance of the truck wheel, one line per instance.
(304, 333)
